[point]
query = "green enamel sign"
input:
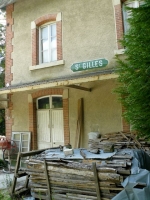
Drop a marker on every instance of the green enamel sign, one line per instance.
(92, 64)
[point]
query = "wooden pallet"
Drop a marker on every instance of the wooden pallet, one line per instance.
(19, 173)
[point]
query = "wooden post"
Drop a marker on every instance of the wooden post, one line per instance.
(47, 180)
(96, 181)
(79, 129)
(15, 174)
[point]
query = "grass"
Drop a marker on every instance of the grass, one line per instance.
(5, 193)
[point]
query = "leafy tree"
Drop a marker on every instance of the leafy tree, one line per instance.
(2, 69)
(2, 50)
(134, 70)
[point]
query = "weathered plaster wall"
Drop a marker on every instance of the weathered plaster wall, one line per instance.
(20, 113)
(101, 108)
(88, 32)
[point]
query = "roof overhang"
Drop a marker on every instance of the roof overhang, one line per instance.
(60, 82)
(4, 3)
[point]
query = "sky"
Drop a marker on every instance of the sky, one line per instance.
(2, 19)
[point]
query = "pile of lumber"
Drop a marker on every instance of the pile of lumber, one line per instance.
(54, 176)
(120, 140)
(83, 179)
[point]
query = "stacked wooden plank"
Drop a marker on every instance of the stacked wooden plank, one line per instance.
(66, 179)
(58, 178)
(120, 140)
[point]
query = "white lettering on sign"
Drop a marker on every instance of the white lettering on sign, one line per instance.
(89, 65)
(100, 63)
(76, 67)
(96, 63)
(84, 65)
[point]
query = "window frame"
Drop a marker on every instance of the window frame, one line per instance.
(50, 102)
(49, 46)
(119, 23)
(35, 25)
(135, 4)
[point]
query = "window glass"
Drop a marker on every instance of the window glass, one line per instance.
(54, 57)
(53, 42)
(57, 102)
(44, 34)
(48, 51)
(53, 30)
(44, 45)
(43, 103)
(45, 56)
(127, 13)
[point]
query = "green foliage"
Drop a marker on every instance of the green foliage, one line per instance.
(4, 195)
(134, 70)
(2, 69)
(2, 121)
(3, 164)
(2, 49)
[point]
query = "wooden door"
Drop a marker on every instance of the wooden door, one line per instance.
(57, 128)
(43, 129)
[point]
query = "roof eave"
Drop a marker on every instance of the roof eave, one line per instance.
(61, 82)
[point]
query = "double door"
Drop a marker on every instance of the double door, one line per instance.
(50, 128)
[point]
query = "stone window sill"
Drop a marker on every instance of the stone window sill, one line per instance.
(46, 65)
(119, 51)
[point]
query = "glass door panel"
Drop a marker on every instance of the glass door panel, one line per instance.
(43, 103)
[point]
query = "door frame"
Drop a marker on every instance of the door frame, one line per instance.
(33, 118)
(50, 110)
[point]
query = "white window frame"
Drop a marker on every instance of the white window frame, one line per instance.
(20, 140)
(49, 42)
(126, 14)
(50, 101)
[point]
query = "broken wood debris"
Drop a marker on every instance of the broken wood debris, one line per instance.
(120, 140)
(53, 175)
(73, 179)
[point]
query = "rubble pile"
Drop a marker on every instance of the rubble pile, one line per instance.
(73, 178)
(119, 140)
(81, 174)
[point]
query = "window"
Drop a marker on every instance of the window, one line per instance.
(43, 103)
(48, 43)
(50, 102)
(126, 13)
(23, 142)
(121, 16)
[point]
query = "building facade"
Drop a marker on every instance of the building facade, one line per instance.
(60, 70)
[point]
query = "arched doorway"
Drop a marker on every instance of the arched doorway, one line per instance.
(50, 126)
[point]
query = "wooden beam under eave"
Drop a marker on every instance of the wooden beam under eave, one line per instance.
(79, 88)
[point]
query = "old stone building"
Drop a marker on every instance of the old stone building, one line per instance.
(60, 70)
